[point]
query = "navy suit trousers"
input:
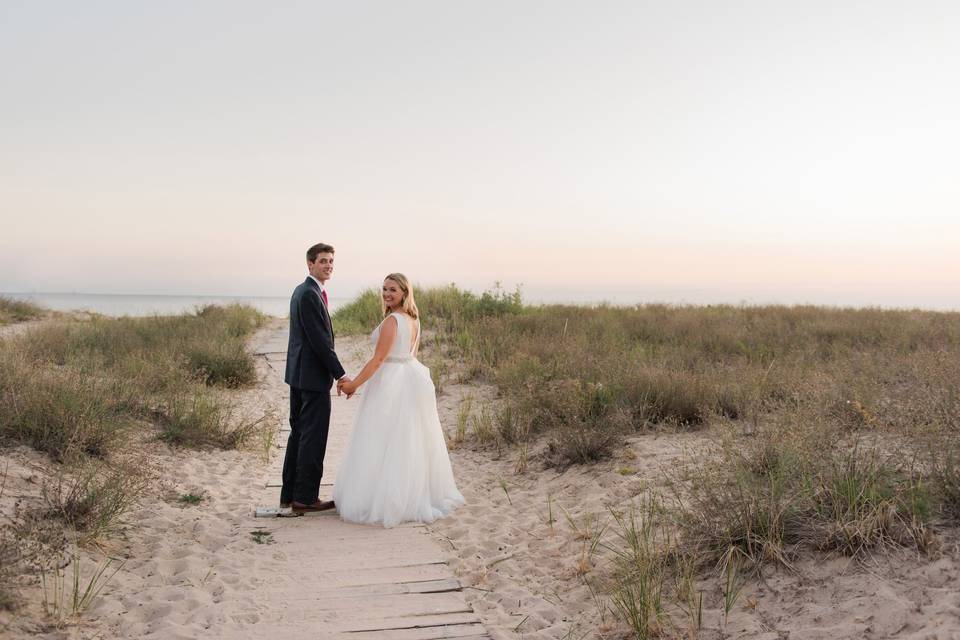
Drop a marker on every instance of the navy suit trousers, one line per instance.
(306, 446)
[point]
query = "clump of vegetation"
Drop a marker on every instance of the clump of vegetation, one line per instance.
(93, 498)
(17, 311)
(81, 391)
(78, 386)
(801, 488)
(444, 308)
(64, 598)
(59, 410)
(261, 536)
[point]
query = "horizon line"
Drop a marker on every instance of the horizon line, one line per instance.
(527, 302)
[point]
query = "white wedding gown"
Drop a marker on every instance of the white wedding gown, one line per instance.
(396, 467)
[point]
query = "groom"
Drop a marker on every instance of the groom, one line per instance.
(312, 366)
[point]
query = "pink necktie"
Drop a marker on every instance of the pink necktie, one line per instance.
(323, 294)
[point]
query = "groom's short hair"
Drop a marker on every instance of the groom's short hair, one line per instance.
(316, 250)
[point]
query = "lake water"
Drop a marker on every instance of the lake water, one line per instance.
(137, 305)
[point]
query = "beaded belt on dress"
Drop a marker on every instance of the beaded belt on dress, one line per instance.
(399, 359)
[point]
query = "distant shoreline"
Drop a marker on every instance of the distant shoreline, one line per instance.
(113, 304)
(147, 304)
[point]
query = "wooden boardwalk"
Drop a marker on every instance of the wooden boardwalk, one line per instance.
(348, 580)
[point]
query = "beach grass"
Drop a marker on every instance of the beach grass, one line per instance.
(12, 311)
(826, 430)
(92, 392)
(77, 387)
(586, 376)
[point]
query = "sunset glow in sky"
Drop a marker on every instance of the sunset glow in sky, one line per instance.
(624, 151)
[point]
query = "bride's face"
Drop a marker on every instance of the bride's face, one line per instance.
(392, 294)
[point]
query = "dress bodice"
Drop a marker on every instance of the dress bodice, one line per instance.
(402, 348)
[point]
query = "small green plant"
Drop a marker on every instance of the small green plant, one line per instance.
(521, 467)
(503, 485)
(689, 598)
(641, 568)
(637, 603)
(264, 432)
(508, 424)
(550, 518)
(438, 374)
(190, 498)
(733, 582)
(463, 416)
(483, 429)
(596, 594)
(592, 535)
(60, 603)
(262, 536)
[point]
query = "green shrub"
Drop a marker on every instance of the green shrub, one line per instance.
(226, 364)
(865, 500)
(195, 418)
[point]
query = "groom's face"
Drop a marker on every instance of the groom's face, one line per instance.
(322, 267)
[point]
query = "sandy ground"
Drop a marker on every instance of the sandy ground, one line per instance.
(528, 579)
(190, 570)
(181, 562)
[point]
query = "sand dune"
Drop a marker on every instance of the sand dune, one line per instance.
(200, 571)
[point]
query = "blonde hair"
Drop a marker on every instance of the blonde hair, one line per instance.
(408, 305)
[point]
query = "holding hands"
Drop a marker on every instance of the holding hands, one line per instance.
(347, 386)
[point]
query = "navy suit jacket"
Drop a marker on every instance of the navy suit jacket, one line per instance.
(312, 364)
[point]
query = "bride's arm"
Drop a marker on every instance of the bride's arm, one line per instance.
(416, 342)
(388, 333)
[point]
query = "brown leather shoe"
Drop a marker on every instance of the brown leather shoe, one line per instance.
(319, 505)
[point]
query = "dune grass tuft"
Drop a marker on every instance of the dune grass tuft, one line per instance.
(12, 311)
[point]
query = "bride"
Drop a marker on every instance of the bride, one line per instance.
(396, 468)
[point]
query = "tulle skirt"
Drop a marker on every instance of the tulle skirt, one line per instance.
(396, 467)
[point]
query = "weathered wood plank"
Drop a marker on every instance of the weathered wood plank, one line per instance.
(467, 631)
(375, 590)
(383, 605)
(412, 622)
(362, 577)
(329, 565)
(369, 617)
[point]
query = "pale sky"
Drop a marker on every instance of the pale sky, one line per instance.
(629, 151)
